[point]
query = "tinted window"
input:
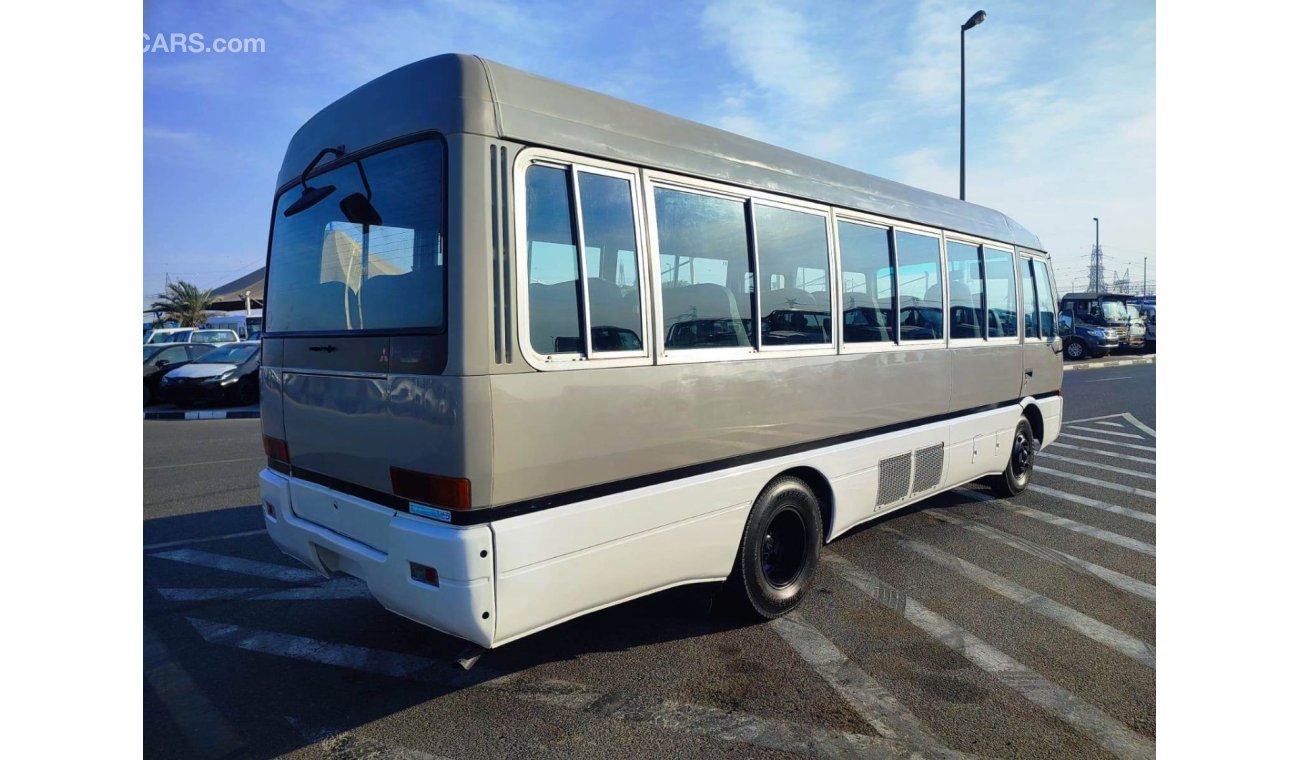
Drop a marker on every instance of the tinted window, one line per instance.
(790, 241)
(868, 284)
(704, 269)
(1000, 279)
(552, 265)
(613, 283)
(1046, 304)
(1030, 302)
(339, 266)
(965, 291)
(920, 288)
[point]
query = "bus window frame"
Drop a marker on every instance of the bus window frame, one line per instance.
(653, 178)
(1031, 255)
(866, 220)
(984, 244)
(831, 256)
(944, 340)
(573, 164)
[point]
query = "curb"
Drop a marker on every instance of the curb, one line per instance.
(1116, 363)
(217, 414)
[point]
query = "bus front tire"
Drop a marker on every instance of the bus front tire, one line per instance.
(1020, 465)
(778, 551)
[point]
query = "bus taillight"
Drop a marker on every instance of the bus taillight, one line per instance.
(436, 490)
(276, 448)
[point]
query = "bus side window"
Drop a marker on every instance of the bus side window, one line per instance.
(705, 273)
(1046, 304)
(868, 306)
(552, 266)
(966, 291)
(1029, 298)
(1000, 279)
(613, 278)
(920, 286)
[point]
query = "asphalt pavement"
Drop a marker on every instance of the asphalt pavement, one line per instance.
(961, 626)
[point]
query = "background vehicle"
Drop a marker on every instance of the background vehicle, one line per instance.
(164, 334)
(161, 358)
(1149, 313)
(1098, 323)
(247, 326)
(226, 373)
(195, 335)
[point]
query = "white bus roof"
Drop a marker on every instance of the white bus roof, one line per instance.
(457, 93)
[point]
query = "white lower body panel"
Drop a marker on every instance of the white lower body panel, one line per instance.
(513, 577)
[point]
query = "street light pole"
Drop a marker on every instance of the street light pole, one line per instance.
(971, 23)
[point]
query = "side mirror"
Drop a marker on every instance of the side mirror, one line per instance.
(161, 363)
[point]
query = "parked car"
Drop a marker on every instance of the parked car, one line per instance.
(161, 358)
(224, 374)
(196, 335)
(1094, 324)
(164, 334)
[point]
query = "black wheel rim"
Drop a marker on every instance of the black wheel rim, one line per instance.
(1022, 455)
(785, 548)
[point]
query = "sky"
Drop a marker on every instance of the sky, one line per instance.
(1060, 100)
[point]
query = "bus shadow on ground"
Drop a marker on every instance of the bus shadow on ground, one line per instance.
(263, 684)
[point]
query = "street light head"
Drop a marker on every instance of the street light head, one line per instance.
(974, 21)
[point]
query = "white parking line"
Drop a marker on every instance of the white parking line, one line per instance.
(1135, 422)
(1108, 442)
(1096, 465)
(336, 589)
(1055, 556)
(203, 540)
(1093, 419)
(209, 734)
(383, 663)
(1064, 522)
(712, 722)
(243, 566)
(1107, 432)
(863, 693)
(1102, 422)
(1102, 452)
(1108, 732)
(1100, 484)
(1069, 617)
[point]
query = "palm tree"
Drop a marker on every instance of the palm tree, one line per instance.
(185, 303)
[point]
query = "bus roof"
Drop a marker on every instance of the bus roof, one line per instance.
(457, 93)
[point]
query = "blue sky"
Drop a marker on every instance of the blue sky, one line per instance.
(1060, 100)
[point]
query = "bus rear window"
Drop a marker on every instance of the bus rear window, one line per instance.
(334, 271)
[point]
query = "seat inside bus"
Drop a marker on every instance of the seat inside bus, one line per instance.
(390, 301)
(963, 311)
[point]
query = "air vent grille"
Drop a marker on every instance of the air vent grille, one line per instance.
(929, 468)
(895, 476)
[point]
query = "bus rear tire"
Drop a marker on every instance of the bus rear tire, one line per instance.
(1020, 465)
(778, 551)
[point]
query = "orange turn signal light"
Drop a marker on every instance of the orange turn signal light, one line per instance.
(436, 490)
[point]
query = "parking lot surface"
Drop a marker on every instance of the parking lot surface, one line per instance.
(964, 626)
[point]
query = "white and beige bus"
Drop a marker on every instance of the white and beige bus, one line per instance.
(531, 351)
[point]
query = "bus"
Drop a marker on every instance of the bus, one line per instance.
(248, 324)
(530, 351)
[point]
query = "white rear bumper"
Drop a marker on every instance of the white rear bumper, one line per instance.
(462, 604)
